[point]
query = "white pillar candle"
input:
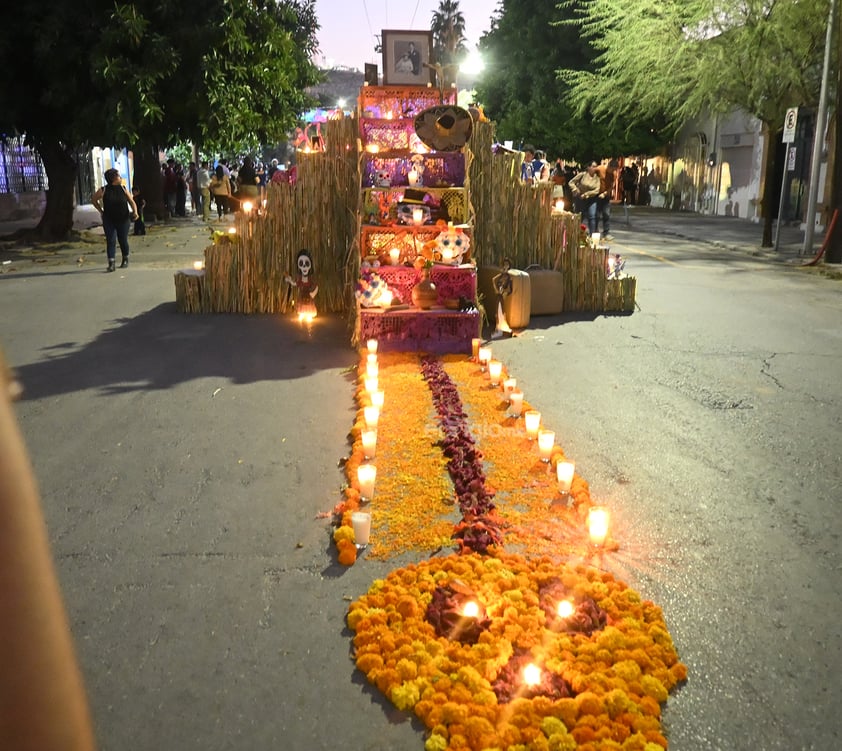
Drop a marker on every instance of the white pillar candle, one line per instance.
(371, 345)
(516, 403)
(372, 415)
(564, 473)
(371, 357)
(371, 384)
(546, 441)
(377, 398)
(366, 475)
(361, 522)
(532, 422)
(495, 370)
(598, 521)
(371, 369)
(509, 385)
(369, 443)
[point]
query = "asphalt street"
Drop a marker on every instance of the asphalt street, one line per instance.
(184, 462)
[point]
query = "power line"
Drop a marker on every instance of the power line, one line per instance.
(412, 21)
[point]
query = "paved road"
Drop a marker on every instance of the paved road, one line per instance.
(183, 461)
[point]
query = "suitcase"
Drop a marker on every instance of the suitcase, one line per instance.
(515, 306)
(547, 291)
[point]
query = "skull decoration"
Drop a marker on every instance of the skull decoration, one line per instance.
(305, 264)
(382, 179)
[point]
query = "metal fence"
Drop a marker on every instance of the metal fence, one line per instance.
(21, 168)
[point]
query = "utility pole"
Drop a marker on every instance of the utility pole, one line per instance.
(818, 137)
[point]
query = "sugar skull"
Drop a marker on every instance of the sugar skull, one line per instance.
(452, 245)
(382, 179)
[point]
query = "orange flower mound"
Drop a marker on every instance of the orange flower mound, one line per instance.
(620, 675)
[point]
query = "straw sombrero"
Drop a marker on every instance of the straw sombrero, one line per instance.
(444, 128)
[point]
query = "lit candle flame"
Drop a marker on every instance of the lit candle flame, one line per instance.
(247, 206)
(471, 609)
(565, 609)
(532, 675)
(598, 520)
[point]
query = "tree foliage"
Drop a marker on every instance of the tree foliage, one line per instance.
(148, 73)
(520, 89)
(448, 27)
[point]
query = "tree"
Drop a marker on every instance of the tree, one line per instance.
(448, 27)
(154, 73)
(521, 90)
(679, 58)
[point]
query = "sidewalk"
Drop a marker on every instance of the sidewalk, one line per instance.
(731, 233)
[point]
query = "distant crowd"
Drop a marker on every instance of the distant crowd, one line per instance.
(590, 190)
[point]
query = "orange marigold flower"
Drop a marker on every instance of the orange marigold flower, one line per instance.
(347, 552)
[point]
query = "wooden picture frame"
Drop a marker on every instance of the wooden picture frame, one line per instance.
(371, 75)
(404, 55)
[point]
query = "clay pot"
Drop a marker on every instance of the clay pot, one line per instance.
(424, 293)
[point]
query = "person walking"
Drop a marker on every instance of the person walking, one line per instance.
(203, 184)
(220, 187)
(587, 189)
(117, 208)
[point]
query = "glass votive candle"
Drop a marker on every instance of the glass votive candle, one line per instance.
(564, 473)
(371, 384)
(372, 369)
(595, 238)
(394, 256)
(371, 357)
(372, 416)
(366, 475)
(532, 422)
(371, 345)
(509, 385)
(369, 438)
(515, 403)
(546, 441)
(377, 398)
(475, 343)
(361, 523)
(598, 520)
(484, 355)
(495, 370)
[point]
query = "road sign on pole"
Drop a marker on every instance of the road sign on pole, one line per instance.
(790, 121)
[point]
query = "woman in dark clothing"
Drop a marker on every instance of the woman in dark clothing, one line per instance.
(117, 208)
(180, 192)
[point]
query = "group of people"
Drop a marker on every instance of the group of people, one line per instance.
(226, 185)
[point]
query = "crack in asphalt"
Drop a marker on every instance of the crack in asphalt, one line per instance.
(767, 365)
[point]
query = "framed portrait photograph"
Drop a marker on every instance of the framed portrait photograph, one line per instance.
(404, 55)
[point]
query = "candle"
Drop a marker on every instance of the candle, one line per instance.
(484, 355)
(532, 421)
(475, 348)
(508, 386)
(248, 206)
(565, 609)
(371, 357)
(232, 230)
(564, 473)
(532, 675)
(559, 205)
(371, 384)
(418, 216)
(372, 416)
(598, 519)
(361, 522)
(447, 255)
(198, 265)
(516, 403)
(371, 345)
(372, 369)
(546, 441)
(369, 443)
(377, 398)
(470, 610)
(495, 370)
(366, 475)
(386, 298)
(413, 177)
(595, 239)
(394, 256)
